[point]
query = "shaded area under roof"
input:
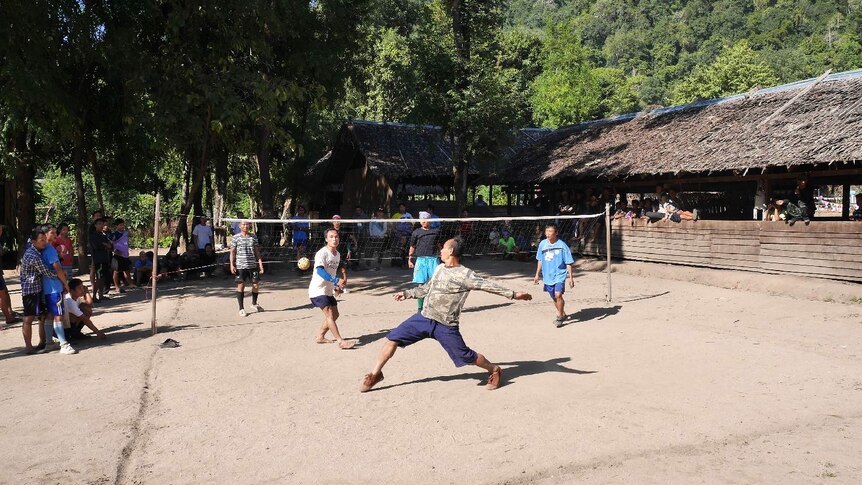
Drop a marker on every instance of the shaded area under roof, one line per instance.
(419, 154)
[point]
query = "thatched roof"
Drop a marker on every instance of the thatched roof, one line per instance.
(741, 132)
(407, 153)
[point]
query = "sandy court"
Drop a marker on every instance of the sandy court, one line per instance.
(672, 382)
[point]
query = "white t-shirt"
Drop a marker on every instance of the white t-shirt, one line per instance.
(72, 308)
(204, 235)
(330, 262)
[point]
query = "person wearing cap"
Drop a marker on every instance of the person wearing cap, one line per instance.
(202, 235)
(423, 246)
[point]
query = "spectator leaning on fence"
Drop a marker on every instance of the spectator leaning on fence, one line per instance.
(857, 214)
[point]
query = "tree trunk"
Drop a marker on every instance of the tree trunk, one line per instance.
(459, 172)
(97, 178)
(196, 183)
(83, 235)
(263, 167)
(301, 162)
(461, 37)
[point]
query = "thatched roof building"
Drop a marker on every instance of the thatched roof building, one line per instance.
(371, 162)
(808, 125)
(413, 154)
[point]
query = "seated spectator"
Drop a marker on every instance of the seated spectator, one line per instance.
(170, 265)
(507, 245)
(620, 211)
(143, 269)
(189, 261)
(208, 261)
(793, 213)
(674, 213)
(634, 211)
(776, 211)
(857, 214)
(79, 311)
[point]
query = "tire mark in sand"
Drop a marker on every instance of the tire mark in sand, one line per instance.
(145, 402)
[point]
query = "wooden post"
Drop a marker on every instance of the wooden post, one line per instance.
(608, 245)
(845, 202)
(155, 272)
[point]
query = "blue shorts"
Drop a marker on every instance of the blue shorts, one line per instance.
(419, 327)
(324, 301)
(424, 268)
(54, 304)
(555, 289)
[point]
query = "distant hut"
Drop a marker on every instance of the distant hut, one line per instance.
(375, 164)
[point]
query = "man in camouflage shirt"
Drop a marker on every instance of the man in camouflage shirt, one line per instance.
(444, 295)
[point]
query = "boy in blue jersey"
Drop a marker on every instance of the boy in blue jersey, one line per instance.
(53, 289)
(554, 262)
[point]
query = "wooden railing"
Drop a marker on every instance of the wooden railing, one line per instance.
(822, 249)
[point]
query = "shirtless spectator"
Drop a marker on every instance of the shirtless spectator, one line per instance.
(79, 311)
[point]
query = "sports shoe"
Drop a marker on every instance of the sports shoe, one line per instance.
(242, 313)
(558, 322)
(49, 347)
(67, 349)
(258, 307)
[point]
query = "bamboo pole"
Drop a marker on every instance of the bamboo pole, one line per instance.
(608, 245)
(155, 273)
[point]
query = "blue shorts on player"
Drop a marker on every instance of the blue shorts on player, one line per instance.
(54, 304)
(419, 327)
(556, 289)
(424, 268)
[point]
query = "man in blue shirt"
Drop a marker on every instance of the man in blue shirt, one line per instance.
(554, 262)
(53, 289)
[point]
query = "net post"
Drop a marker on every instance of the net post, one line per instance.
(608, 245)
(155, 273)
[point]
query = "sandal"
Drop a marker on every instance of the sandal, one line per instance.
(370, 381)
(495, 378)
(558, 322)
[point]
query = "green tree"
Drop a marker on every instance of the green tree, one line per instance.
(565, 92)
(735, 71)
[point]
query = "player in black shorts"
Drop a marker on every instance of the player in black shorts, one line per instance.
(246, 264)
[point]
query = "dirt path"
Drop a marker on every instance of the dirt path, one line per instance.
(672, 382)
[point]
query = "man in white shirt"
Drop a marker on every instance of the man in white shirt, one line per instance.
(79, 311)
(203, 235)
(325, 285)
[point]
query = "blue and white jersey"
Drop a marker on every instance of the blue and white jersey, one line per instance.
(554, 257)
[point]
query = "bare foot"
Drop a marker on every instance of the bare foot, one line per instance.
(369, 381)
(347, 344)
(323, 340)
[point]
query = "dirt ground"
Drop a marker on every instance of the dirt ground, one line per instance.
(672, 382)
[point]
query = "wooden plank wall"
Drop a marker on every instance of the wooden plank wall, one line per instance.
(823, 249)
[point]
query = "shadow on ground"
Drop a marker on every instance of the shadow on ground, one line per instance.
(511, 372)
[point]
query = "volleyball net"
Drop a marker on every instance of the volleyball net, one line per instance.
(375, 243)
(365, 244)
